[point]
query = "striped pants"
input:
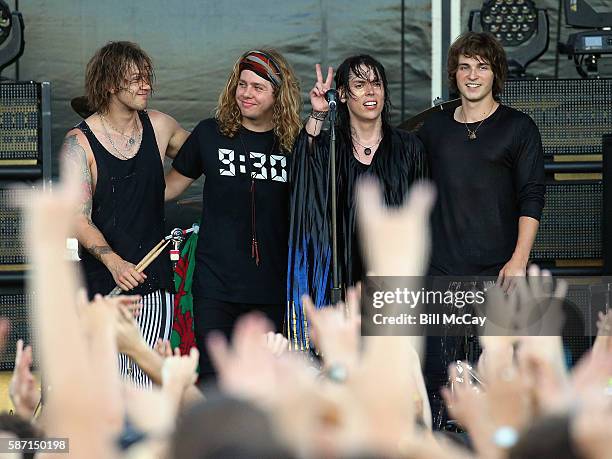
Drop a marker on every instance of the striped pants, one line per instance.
(154, 321)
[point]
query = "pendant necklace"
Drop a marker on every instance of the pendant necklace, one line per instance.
(131, 139)
(128, 146)
(472, 133)
(367, 150)
(254, 240)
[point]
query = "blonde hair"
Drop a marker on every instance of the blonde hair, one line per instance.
(286, 109)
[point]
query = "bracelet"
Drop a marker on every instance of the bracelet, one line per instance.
(319, 116)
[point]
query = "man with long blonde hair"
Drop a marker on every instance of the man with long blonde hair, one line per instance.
(244, 153)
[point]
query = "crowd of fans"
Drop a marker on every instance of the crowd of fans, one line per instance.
(365, 396)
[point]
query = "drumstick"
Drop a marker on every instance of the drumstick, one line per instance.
(151, 252)
(146, 261)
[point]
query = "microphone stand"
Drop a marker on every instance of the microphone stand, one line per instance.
(336, 292)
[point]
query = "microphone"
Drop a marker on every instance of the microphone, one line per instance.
(331, 96)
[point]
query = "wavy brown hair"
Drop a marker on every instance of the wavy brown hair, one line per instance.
(485, 46)
(286, 109)
(108, 69)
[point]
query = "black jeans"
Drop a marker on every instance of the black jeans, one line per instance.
(210, 314)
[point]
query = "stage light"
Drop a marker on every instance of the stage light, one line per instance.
(513, 22)
(11, 35)
(520, 27)
(587, 47)
(5, 21)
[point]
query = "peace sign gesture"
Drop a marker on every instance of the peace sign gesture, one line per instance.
(317, 94)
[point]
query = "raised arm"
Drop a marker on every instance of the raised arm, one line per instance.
(76, 154)
(65, 351)
(319, 105)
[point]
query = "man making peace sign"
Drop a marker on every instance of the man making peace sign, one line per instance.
(366, 143)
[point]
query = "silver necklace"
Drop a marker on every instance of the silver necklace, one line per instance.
(131, 139)
(472, 133)
(366, 150)
(129, 144)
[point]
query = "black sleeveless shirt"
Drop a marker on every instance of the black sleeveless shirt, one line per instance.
(128, 209)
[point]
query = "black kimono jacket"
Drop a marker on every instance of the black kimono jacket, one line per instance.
(397, 164)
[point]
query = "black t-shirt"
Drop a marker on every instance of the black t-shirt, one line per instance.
(484, 186)
(225, 267)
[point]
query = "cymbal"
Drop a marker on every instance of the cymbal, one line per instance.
(414, 123)
(81, 107)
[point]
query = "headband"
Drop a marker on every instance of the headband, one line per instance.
(263, 65)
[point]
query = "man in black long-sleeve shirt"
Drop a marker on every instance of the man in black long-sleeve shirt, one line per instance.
(487, 163)
(486, 160)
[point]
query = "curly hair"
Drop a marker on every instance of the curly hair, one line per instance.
(108, 68)
(286, 109)
(485, 46)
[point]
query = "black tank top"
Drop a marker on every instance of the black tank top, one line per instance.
(128, 208)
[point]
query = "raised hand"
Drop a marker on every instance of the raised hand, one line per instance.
(277, 343)
(163, 348)
(533, 308)
(335, 330)
(132, 303)
(507, 394)
(180, 371)
(603, 342)
(22, 389)
(129, 336)
(591, 374)
(590, 427)
(246, 367)
(463, 399)
(317, 93)
(396, 241)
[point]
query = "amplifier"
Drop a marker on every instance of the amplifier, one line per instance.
(25, 130)
(572, 115)
(25, 158)
(607, 204)
(570, 228)
(15, 306)
(13, 256)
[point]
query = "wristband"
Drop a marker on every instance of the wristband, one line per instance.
(319, 116)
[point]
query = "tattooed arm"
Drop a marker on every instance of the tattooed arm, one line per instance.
(76, 154)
